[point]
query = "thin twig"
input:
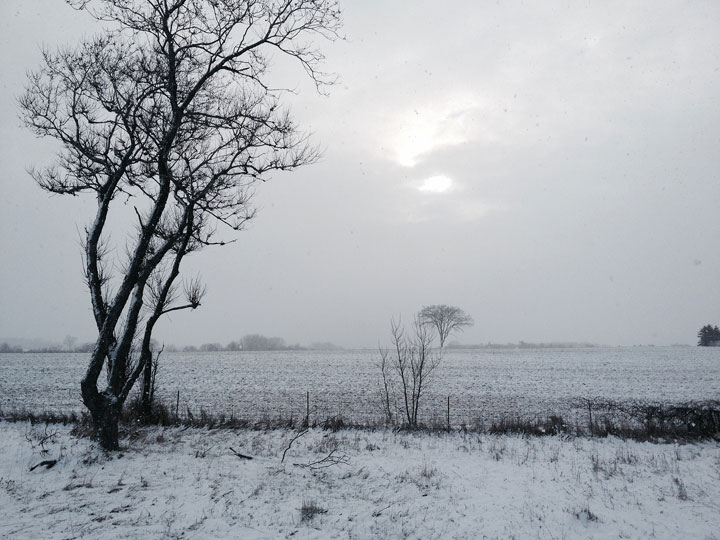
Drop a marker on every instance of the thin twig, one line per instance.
(328, 461)
(296, 437)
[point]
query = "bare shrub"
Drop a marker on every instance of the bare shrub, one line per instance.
(552, 425)
(585, 514)
(427, 471)
(642, 420)
(310, 509)
(38, 438)
(386, 388)
(412, 361)
(333, 423)
(681, 490)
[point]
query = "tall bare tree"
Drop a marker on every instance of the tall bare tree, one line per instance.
(169, 112)
(445, 320)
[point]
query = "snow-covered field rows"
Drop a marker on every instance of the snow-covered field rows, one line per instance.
(484, 384)
(174, 483)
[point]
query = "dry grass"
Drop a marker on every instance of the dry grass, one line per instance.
(630, 420)
(310, 509)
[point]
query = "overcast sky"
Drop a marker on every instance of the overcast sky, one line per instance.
(552, 168)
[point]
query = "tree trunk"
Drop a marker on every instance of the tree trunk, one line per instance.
(146, 401)
(106, 427)
(105, 413)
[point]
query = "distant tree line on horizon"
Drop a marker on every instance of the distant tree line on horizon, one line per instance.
(708, 336)
(5, 348)
(257, 342)
(249, 342)
(69, 344)
(523, 345)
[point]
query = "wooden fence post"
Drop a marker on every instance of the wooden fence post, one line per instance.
(307, 409)
(448, 413)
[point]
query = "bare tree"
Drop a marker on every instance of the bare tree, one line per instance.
(414, 361)
(149, 385)
(169, 113)
(445, 320)
(386, 388)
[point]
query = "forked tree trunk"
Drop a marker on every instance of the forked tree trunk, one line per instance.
(105, 414)
(105, 409)
(106, 427)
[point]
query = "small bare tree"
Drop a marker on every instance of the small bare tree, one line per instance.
(445, 320)
(387, 391)
(151, 364)
(414, 361)
(170, 114)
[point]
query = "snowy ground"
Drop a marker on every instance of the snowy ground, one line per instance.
(178, 483)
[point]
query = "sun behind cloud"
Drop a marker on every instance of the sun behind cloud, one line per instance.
(424, 129)
(436, 184)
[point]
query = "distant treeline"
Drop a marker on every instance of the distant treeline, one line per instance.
(522, 345)
(82, 348)
(5, 348)
(250, 342)
(258, 342)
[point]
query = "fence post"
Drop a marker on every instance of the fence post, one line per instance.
(448, 413)
(307, 409)
(177, 404)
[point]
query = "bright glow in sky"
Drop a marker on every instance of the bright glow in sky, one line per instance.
(422, 130)
(436, 184)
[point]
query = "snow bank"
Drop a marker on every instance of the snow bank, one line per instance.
(376, 484)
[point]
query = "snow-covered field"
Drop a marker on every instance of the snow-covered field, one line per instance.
(482, 384)
(174, 483)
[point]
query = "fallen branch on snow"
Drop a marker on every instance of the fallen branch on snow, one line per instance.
(48, 464)
(238, 454)
(328, 461)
